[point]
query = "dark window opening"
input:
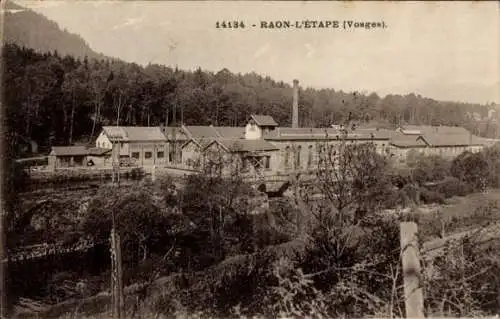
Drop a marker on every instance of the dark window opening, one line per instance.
(135, 155)
(161, 155)
(297, 157)
(78, 160)
(148, 155)
(287, 155)
(310, 156)
(267, 161)
(244, 164)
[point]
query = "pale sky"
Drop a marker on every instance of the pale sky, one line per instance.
(446, 51)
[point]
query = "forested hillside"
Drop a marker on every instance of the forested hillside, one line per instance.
(27, 28)
(57, 99)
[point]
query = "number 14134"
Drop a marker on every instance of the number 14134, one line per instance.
(229, 24)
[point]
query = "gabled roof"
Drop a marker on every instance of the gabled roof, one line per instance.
(69, 150)
(201, 143)
(134, 133)
(191, 141)
(443, 140)
(230, 132)
(407, 141)
(264, 120)
(239, 145)
(206, 134)
(80, 150)
(201, 132)
(437, 139)
(180, 133)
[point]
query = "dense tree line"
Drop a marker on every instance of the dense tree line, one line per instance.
(56, 99)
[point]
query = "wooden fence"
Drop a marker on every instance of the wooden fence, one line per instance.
(411, 256)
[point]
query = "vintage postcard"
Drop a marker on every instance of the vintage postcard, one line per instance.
(249, 159)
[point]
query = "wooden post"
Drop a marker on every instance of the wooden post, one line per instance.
(119, 273)
(113, 161)
(414, 300)
(115, 246)
(116, 275)
(114, 299)
(3, 262)
(118, 148)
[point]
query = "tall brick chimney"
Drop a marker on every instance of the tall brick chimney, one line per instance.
(295, 105)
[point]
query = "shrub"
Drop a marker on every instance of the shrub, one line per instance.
(293, 294)
(135, 173)
(463, 281)
(398, 198)
(430, 197)
(400, 178)
(453, 187)
(411, 192)
(430, 169)
(472, 168)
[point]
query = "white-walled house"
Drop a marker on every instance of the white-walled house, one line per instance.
(143, 146)
(259, 126)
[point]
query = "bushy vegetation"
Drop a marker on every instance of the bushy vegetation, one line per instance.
(452, 186)
(463, 281)
(345, 260)
(434, 179)
(212, 246)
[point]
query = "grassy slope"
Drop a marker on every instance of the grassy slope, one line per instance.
(459, 214)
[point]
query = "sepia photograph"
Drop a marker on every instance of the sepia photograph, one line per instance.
(249, 159)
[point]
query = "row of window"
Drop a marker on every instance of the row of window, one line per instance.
(103, 145)
(107, 145)
(447, 150)
(297, 154)
(148, 155)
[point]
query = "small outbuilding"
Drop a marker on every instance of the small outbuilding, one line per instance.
(78, 156)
